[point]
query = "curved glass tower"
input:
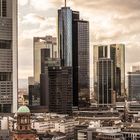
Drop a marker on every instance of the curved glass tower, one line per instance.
(65, 35)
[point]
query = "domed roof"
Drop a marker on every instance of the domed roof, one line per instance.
(23, 109)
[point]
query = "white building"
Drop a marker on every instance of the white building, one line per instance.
(66, 127)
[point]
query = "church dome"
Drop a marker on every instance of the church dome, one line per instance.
(23, 109)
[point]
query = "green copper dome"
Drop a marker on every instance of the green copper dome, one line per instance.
(23, 109)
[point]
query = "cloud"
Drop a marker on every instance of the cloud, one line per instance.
(42, 5)
(111, 21)
(23, 2)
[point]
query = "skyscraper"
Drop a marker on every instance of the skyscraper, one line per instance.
(56, 89)
(8, 56)
(65, 35)
(99, 51)
(104, 81)
(48, 42)
(47, 61)
(134, 85)
(80, 62)
(73, 40)
(116, 52)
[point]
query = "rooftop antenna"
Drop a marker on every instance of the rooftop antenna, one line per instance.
(65, 3)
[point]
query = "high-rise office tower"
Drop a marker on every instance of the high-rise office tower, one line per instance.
(8, 56)
(48, 42)
(104, 81)
(116, 52)
(80, 62)
(73, 40)
(99, 51)
(45, 48)
(134, 85)
(57, 82)
(65, 35)
(47, 61)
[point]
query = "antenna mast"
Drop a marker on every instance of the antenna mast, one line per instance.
(65, 3)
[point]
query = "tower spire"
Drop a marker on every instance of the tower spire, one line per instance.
(65, 3)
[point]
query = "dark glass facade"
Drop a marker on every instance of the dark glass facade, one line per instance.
(134, 85)
(116, 52)
(34, 95)
(81, 93)
(73, 40)
(105, 81)
(47, 61)
(57, 82)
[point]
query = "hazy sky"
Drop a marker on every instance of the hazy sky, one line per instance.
(111, 21)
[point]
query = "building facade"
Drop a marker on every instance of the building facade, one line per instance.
(116, 52)
(134, 85)
(65, 36)
(8, 56)
(73, 43)
(81, 80)
(104, 81)
(39, 43)
(24, 130)
(56, 89)
(47, 61)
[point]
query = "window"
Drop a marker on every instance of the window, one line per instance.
(5, 44)
(4, 8)
(0, 8)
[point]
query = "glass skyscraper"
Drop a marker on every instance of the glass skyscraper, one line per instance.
(73, 42)
(8, 56)
(104, 81)
(116, 52)
(65, 35)
(81, 93)
(134, 85)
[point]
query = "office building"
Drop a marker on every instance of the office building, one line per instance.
(73, 43)
(47, 61)
(45, 54)
(80, 62)
(33, 92)
(134, 85)
(56, 89)
(116, 52)
(104, 81)
(100, 133)
(65, 36)
(100, 51)
(8, 56)
(39, 43)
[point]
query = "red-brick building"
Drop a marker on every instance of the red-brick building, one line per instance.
(24, 130)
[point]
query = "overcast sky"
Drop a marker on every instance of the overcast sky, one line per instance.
(111, 21)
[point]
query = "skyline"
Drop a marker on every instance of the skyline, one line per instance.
(35, 19)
